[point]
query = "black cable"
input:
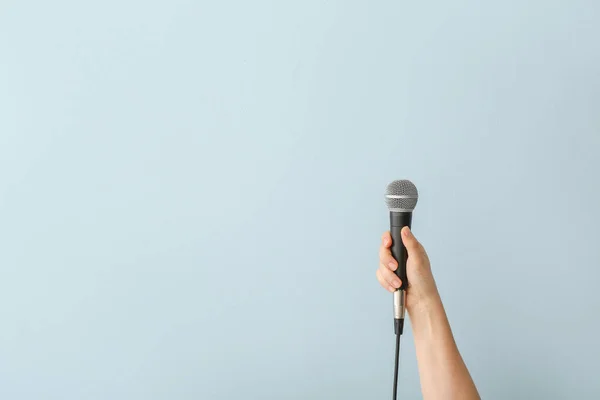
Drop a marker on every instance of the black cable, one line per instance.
(396, 364)
(399, 325)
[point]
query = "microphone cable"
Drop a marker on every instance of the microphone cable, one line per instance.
(399, 325)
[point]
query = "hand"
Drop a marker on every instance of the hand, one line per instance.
(418, 270)
(442, 371)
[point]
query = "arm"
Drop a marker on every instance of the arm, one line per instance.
(442, 371)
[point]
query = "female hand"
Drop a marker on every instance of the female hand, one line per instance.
(422, 286)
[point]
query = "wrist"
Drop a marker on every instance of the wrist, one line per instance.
(428, 317)
(422, 301)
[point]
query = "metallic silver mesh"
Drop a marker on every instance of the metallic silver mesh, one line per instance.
(402, 187)
(408, 196)
(401, 204)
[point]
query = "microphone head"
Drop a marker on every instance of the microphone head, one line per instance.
(401, 196)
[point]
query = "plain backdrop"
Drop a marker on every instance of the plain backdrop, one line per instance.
(191, 194)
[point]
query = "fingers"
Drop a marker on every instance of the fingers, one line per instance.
(385, 255)
(386, 239)
(387, 279)
(411, 243)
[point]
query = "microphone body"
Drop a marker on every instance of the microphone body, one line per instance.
(399, 220)
(401, 197)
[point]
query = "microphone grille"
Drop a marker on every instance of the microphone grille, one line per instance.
(401, 196)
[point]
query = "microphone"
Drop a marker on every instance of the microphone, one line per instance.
(401, 198)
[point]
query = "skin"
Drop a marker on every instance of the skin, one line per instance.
(442, 371)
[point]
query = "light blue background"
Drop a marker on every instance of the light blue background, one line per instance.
(191, 194)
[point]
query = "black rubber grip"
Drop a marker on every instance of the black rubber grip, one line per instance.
(399, 220)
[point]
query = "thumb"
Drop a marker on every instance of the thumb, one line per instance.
(411, 243)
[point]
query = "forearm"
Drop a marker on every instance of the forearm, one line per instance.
(442, 371)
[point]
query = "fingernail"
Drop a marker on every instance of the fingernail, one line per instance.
(397, 283)
(406, 232)
(391, 289)
(392, 265)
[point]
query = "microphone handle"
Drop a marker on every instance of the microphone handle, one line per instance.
(399, 220)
